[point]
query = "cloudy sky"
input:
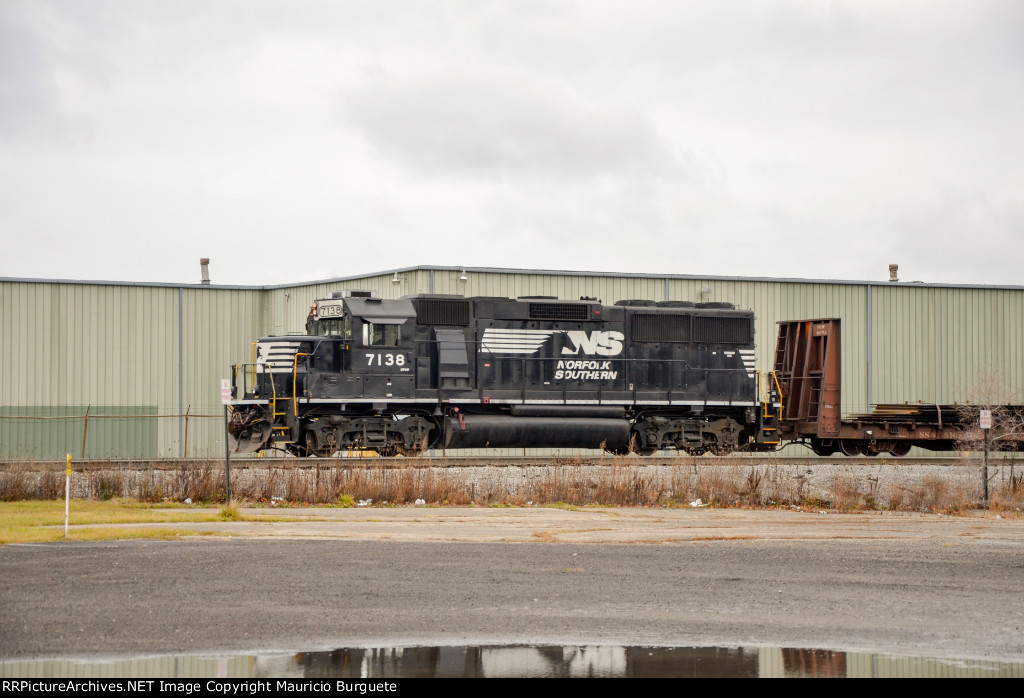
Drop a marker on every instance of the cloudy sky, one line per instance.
(298, 140)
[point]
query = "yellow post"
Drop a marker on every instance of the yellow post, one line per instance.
(67, 497)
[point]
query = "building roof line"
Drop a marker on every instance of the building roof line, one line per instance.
(525, 272)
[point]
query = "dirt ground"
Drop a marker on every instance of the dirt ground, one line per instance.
(611, 524)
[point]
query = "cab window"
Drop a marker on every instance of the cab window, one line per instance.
(379, 335)
(340, 327)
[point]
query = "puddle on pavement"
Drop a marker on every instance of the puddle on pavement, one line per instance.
(524, 661)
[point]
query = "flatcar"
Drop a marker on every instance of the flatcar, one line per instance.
(399, 376)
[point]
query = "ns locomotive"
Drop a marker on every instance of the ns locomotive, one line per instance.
(450, 372)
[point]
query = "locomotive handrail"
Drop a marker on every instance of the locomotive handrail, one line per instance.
(248, 370)
(779, 388)
(295, 382)
(252, 358)
(273, 387)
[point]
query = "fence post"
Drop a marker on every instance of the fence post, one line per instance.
(85, 429)
(184, 451)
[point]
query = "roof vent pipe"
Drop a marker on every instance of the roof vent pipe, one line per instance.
(893, 268)
(204, 267)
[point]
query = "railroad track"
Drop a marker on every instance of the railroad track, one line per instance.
(489, 461)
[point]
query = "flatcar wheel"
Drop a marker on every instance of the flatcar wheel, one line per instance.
(849, 447)
(821, 449)
(901, 449)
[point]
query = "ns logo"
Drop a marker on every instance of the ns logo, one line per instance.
(600, 343)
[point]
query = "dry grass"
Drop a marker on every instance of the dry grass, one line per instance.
(625, 481)
(846, 492)
(41, 521)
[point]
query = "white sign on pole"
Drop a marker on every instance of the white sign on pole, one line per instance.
(985, 419)
(225, 391)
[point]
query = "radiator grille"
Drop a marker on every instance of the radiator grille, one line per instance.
(722, 330)
(438, 311)
(648, 327)
(559, 311)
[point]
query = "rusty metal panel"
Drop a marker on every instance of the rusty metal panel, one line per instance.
(807, 365)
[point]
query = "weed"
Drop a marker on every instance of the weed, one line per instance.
(846, 493)
(37, 521)
(575, 482)
(563, 505)
(200, 482)
(108, 485)
(229, 512)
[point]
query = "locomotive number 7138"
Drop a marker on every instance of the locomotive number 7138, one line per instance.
(383, 359)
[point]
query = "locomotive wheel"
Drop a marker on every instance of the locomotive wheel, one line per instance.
(417, 449)
(296, 450)
(312, 449)
(410, 451)
(639, 445)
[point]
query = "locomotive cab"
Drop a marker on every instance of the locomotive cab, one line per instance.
(363, 349)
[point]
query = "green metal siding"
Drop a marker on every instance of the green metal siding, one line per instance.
(114, 348)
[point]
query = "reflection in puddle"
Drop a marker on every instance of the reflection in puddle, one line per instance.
(525, 661)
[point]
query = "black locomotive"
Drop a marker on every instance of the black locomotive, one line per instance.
(450, 372)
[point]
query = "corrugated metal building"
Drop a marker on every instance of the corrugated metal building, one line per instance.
(133, 370)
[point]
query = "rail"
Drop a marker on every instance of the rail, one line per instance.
(476, 461)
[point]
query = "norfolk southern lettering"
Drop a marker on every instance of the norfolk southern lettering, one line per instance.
(585, 371)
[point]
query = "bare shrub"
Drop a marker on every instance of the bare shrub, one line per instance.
(625, 486)
(931, 493)
(296, 486)
(846, 492)
(753, 482)
(108, 484)
(15, 483)
(898, 497)
(717, 485)
(323, 483)
(937, 494)
(200, 482)
(992, 392)
(778, 487)
(1008, 494)
(266, 484)
(150, 489)
(244, 484)
(22, 481)
(50, 485)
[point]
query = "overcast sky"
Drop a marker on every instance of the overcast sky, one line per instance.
(299, 140)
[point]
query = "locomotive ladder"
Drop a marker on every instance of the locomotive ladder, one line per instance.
(771, 408)
(276, 411)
